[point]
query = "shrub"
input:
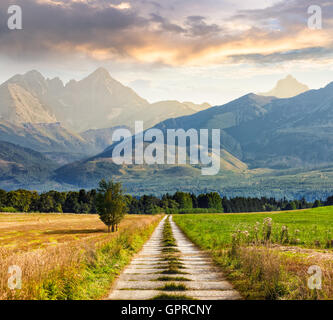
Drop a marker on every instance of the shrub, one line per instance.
(8, 209)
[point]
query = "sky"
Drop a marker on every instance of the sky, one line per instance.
(187, 50)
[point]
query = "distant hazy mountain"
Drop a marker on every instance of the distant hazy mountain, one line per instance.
(197, 107)
(232, 114)
(172, 109)
(293, 132)
(51, 139)
(99, 101)
(89, 172)
(96, 102)
(100, 138)
(267, 143)
(286, 88)
(21, 102)
(46, 115)
(23, 166)
(235, 113)
(27, 118)
(44, 137)
(266, 132)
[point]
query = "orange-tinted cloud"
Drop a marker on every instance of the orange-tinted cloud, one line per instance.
(120, 30)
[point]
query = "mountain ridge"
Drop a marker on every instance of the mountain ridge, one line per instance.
(22, 166)
(264, 141)
(254, 128)
(97, 101)
(286, 88)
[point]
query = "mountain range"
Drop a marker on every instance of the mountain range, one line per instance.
(286, 88)
(76, 120)
(22, 166)
(95, 102)
(269, 145)
(258, 135)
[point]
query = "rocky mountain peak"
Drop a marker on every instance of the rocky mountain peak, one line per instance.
(287, 88)
(100, 73)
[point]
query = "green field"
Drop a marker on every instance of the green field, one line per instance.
(268, 267)
(311, 228)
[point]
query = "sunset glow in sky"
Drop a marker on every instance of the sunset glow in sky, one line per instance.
(188, 50)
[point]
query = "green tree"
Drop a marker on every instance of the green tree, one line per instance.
(2, 197)
(215, 201)
(71, 204)
(111, 203)
(291, 206)
(210, 201)
(203, 201)
(59, 199)
(169, 204)
(194, 200)
(184, 200)
(20, 199)
(46, 203)
(329, 201)
(317, 204)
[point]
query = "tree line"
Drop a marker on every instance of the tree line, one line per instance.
(180, 202)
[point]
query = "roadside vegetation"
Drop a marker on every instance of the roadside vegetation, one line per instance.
(70, 256)
(267, 256)
(67, 257)
(174, 265)
(166, 278)
(173, 287)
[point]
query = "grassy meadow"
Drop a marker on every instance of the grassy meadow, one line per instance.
(312, 228)
(64, 256)
(267, 255)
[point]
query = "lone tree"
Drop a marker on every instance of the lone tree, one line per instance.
(111, 204)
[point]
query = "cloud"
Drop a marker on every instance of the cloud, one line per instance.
(121, 6)
(166, 33)
(290, 55)
(199, 28)
(50, 27)
(166, 25)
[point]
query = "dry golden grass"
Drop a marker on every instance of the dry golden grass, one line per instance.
(269, 273)
(44, 244)
(297, 265)
(25, 232)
